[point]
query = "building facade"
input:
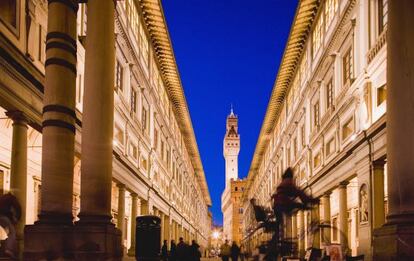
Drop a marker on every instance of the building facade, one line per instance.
(156, 168)
(326, 120)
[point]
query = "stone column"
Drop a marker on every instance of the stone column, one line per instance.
(134, 214)
(50, 233)
(121, 209)
(144, 207)
(315, 219)
(326, 218)
(343, 214)
(378, 218)
(161, 216)
(288, 226)
(295, 227)
(18, 168)
(167, 233)
(395, 240)
(302, 232)
(98, 112)
(97, 135)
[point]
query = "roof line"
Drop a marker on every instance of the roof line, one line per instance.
(299, 33)
(153, 15)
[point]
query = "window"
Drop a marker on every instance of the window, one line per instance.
(145, 119)
(348, 128)
(79, 89)
(133, 101)
(42, 45)
(316, 116)
(119, 71)
(329, 94)
(144, 163)
(119, 135)
(303, 137)
(381, 94)
(133, 150)
(8, 12)
(330, 146)
(335, 230)
(132, 15)
(143, 44)
(317, 160)
(382, 15)
(317, 36)
(348, 67)
(330, 9)
(295, 148)
(155, 139)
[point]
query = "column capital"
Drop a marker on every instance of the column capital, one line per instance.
(343, 184)
(18, 117)
(327, 194)
(121, 186)
(378, 164)
(134, 195)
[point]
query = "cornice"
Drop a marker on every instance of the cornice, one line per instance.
(157, 29)
(299, 33)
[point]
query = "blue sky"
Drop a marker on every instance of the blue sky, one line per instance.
(227, 51)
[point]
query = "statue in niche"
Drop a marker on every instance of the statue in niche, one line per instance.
(363, 203)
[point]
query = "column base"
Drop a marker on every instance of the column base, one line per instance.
(97, 241)
(48, 242)
(394, 242)
(131, 251)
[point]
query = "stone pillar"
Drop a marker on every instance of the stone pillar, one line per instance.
(295, 227)
(343, 214)
(167, 233)
(302, 232)
(134, 214)
(395, 240)
(18, 168)
(288, 227)
(378, 215)
(121, 209)
(97, 136)
(315, 219)
(326, 218)
(52, 232)
(144, 207)
(98, 111)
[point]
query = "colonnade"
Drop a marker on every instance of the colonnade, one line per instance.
(93, 234)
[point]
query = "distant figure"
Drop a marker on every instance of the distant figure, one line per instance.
(235, 251)
(182, 251)
(195, 252)
(10, 214)
(164, 251)
(173, 251)
(225, 251)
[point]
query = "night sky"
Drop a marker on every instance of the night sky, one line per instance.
(228, 52)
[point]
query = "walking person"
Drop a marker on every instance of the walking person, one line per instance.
(182, 251)
(225, 251)
(173, 251)
(164, 251)
(195, 252)
(235, 251)
(10, 214)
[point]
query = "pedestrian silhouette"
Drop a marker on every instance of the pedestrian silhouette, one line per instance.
(164, 251)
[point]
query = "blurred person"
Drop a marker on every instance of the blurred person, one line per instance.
(10, 214)
(225, 251)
